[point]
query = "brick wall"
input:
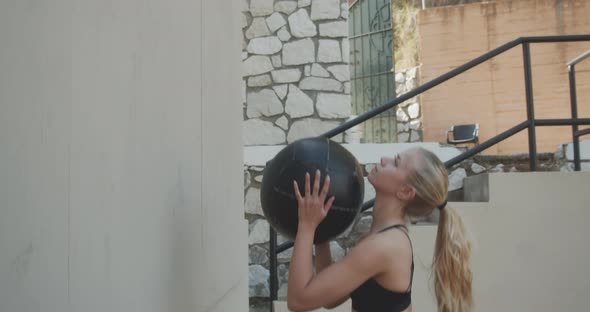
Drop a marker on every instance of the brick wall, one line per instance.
(492, 94)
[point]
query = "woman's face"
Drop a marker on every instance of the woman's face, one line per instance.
(389, 176)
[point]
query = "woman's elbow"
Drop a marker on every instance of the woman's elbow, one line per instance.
(292, 306)
(296, 306)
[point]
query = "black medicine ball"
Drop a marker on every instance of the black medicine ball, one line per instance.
(279, 204)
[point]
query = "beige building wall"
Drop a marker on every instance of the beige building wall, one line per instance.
(530, 245)
(493, 93)
(121, 157)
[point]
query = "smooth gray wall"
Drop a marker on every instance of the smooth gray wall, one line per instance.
(529, 245)
(121, 156)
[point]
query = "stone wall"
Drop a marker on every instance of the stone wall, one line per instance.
(296, 80)
(409, 113)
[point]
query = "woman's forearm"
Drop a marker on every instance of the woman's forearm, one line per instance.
(301, 267)
(323, 256)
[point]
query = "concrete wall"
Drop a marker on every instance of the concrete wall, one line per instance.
(530, 245)
(492, 94)
(117, 190)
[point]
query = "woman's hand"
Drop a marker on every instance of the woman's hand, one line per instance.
(313, 208)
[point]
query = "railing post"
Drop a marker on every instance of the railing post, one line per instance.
(530, 109)
(574, 104)
(273, 267)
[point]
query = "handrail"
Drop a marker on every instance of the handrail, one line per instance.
(571, 68)
(450, 74)
(476, 150)
(487, 144)
(578, 59)
(425, 87)
(531, 123)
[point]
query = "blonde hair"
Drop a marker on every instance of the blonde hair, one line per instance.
(452, 251)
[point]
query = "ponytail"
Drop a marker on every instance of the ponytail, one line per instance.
(451, 265)
(452, 251)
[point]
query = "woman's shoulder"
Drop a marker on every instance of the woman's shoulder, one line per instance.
(370, 245)
(382, 250)
(381, 242)
(389, 244)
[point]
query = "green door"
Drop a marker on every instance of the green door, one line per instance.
(372, 67)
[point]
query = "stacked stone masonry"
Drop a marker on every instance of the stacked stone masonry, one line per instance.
(409, 113)
(296, 80)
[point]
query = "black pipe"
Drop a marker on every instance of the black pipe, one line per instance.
(404, 97)
(487, 144)
(546, 39)
(530, 108)
(284, 246)
(408, 95)
(449, 163)
(574, 108)
(476, 150)
(562, 122)
(273, 267)
(502, 136)
(582, 132)
(368, 205)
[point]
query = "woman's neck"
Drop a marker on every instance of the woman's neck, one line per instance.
(386, 211)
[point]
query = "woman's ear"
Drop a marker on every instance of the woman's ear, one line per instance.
(406, 193)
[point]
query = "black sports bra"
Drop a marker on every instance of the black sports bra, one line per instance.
(372, 297)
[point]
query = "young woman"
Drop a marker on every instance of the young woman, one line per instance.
(377, 273)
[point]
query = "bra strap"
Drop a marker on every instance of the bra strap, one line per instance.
(400, 226)
(393, 227)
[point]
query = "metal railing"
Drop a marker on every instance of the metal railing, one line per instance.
(530, 124)
(576, 134)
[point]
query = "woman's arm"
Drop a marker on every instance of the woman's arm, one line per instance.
(337, 281)
(323, 259)
(334, 283)
(323, 256)
(300, 268)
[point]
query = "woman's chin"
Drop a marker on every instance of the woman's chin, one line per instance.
(370, 179)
